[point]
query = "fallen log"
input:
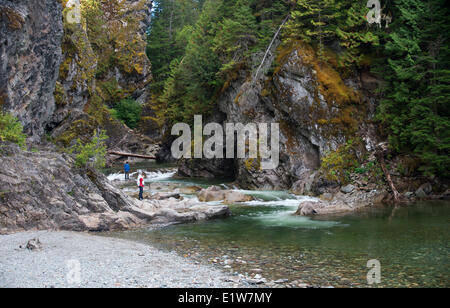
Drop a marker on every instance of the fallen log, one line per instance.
(130, 155)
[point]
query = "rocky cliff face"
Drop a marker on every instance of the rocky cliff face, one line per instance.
(59, 74)
(104, 61)
(317, 110)
(30, 54)
(44, 191)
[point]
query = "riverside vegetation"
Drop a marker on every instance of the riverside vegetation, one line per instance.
(210, 49)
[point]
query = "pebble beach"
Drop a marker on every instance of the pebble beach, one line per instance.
(67, 259)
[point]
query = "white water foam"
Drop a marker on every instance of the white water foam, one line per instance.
(118, 176)
(286, 219)
(159, 176)
(276, 198)
(151, 176)
(288, 202)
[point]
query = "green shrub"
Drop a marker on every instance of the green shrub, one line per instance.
(92, 153)
(129, 111)
(361, 170)
(114, 114)
(338, 164)
(11, 130)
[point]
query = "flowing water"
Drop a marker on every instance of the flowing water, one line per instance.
(411, 242)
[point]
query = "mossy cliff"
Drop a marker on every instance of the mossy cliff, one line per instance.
(319, 106)
(104, 62)
(61, 72)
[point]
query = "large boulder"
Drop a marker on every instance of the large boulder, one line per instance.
(214, 193)
(177, 211)
(43, 190)
(306, 209)
(236, 197)
(340, 203)
(424, 190)
(348, 189)
(198, 212)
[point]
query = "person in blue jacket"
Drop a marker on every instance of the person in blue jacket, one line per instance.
(127, 168)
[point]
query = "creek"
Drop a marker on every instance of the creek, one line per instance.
(262, 236)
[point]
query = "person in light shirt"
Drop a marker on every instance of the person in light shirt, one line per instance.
(141, 184)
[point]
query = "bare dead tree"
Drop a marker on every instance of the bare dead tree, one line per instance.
(380, 152)
(270, 46)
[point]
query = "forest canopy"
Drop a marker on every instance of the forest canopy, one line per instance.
(198, 46)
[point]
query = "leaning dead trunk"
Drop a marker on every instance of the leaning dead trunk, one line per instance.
(270, 46)
(380, 153)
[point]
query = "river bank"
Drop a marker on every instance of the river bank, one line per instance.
(263, 237)
(104, 262)
(411, 243)
(261, 244)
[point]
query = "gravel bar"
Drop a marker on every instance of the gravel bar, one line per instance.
(69, 259)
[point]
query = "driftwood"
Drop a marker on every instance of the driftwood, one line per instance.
(380, 153)
(131, 155)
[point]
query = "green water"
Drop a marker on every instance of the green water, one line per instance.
(411, 243)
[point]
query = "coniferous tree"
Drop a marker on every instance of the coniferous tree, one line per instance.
(164, 44)
(325, 21)
(415, 108)
(314, 20)
(192, 82)
(236, 35)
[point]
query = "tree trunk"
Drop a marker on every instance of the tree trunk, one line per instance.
(270, 46)
(130, 155)
(380, 157)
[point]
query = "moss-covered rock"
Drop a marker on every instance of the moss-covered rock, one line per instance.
(104, 62)
(319, 108)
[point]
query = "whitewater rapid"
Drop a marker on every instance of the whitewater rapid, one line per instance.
(150, 176)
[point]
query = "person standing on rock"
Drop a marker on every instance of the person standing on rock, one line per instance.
(141, 184)
(127, 169)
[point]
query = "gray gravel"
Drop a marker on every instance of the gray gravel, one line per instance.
(104, 262)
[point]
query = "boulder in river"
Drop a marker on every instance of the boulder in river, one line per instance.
(34, 244)
(306, 209)
(161, 196)
(234, 196)
(188, 190)
(341, 203)
(214, 193)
